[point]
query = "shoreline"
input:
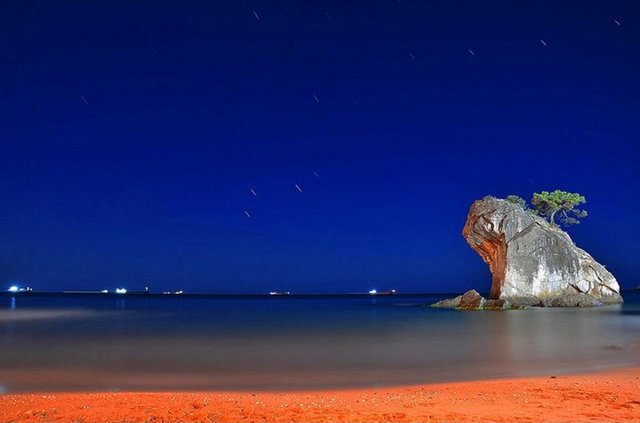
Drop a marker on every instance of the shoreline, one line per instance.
(601, 396)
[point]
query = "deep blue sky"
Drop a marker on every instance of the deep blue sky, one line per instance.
(132, 132)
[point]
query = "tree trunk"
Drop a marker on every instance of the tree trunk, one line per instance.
(552, 217)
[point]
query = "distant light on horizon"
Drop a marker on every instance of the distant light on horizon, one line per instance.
(13, 288)
(373, 292)
(121, 290)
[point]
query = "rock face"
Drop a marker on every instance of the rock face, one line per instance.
(533, 262)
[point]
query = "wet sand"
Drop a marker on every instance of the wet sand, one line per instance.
(611, 396)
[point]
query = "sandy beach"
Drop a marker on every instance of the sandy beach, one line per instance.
(610, 396)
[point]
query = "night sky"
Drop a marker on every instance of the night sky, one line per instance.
(132, 134)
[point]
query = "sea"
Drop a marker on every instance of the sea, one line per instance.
(103, 342)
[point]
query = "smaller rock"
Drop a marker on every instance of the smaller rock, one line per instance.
(448, 303)
(471, 300)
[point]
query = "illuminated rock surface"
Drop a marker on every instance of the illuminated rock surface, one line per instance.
(533, 262)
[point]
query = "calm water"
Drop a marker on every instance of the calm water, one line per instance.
(178, 343)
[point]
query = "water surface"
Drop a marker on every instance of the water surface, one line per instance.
(71, 342)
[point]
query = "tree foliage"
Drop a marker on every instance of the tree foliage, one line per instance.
(561, 204)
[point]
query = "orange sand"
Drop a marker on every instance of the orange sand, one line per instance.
(612, 396)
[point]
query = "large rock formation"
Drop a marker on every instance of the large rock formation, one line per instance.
(533, 262)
